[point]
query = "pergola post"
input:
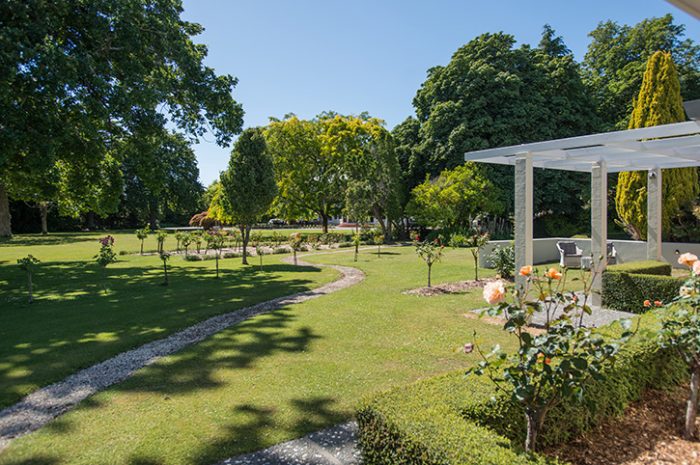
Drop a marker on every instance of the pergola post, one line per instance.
(524, 187)
(599, 226)
(654, 214)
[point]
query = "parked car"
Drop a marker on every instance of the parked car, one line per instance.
(276, 222)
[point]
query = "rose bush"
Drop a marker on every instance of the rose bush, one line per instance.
(680, 330)
(552, 366)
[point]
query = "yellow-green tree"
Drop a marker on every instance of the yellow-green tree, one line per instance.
(659, 102)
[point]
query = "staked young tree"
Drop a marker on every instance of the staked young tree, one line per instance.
(248, 185)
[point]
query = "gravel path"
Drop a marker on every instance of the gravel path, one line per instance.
(599, 316)
(332, 446)
(41, 406)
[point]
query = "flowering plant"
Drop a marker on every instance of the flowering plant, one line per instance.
(550, 365)
(680, 330)
(106, 255)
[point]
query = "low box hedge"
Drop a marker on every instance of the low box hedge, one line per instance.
(626, 286)
(452, 419)
(642, 267)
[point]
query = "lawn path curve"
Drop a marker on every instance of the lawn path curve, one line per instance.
(43, 405)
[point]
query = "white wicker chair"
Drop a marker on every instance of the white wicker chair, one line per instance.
(612, 254)
(569, 254)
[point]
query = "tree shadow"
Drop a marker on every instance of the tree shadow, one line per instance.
(29, 240)
(253, 424)
(75, 324)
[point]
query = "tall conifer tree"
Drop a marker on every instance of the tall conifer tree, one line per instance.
(659, 102)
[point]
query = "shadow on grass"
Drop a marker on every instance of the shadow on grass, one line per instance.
(250, 431)
(82, 325)
(29, 240)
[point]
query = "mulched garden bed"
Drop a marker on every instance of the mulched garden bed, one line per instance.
(459, 287)
(649, 433)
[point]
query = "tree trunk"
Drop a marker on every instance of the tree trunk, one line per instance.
(476, 265)
(532, 431)
(165, 270)
(430, 268)
(153, 214)
(90, 220)
(245, 237)
(692, 409)
(142, 246)
(324, 221)
(217, 262)
(30, 285)
(44, 213)
(5, 218)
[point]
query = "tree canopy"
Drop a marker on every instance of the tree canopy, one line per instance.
(76, 77)
(454, 198)
(248, 185)
(617, 56)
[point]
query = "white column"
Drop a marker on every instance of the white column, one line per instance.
(599, 225)
(523, 210)
(654, 214)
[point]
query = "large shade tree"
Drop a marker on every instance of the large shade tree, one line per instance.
(160, 175)
(370, 168)
(617, 57)
(248, 185)
(309, 177)
(492, 94)
(659, 102)
(74, 78)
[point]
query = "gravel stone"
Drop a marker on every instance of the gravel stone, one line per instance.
(332, 446)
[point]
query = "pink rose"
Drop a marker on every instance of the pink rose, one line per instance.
(494, 292)
(696, 268)
(688, 259)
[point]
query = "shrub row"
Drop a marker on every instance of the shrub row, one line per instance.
(464, 421)
(627, 286)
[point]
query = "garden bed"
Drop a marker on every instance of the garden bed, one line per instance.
(459, 287)
(649, 432)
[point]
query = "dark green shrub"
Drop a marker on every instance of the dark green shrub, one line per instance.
(447, 420)
(503, 261)
(626, 286)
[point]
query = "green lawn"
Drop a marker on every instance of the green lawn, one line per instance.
(276, 376)
(73, 323)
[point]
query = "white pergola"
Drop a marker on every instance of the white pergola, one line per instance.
(648, 149)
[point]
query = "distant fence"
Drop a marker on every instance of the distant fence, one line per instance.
(545, 250)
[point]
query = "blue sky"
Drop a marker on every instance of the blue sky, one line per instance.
(307, 56)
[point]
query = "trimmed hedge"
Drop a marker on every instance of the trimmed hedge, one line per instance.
(627, 286)
(453, 420)
(642, 267)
